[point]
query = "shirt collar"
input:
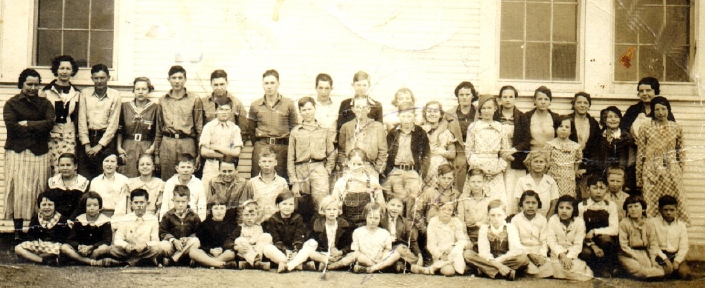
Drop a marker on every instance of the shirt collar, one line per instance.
(492, 125)
(413, 128)
(264, 100)
(615, 135)
(172, 90)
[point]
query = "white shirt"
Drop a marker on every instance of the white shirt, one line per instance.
(197, 199)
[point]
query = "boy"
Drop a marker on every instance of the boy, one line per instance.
(615, 184)
(602, 226)
(91, 234)
(227, 186)
(220, 137)
(472, 208)
(137, 236)
(220, 95)
(184, 176)
(212, 234)
(249, 240)
(326, 107)
(270, 120)
(361, 85)
(366, 134)
(178, 227)
(408, 158)
(179, 125)
(441, 192)
(404, 234)
(672, 237)
(265, 187)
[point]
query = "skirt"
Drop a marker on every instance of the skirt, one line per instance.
(61, 143)
(41, 247)
(133, 150)
(26, 176)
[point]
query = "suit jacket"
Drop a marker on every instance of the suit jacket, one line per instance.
(420, 149)
(406, 233)
(346, 114)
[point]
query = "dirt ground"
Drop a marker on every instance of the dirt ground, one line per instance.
(14, 273)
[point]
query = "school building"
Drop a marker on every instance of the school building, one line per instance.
(602, 47)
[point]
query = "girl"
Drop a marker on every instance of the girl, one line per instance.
(660, 159)
(71, 186)
(499, 248)
(487, 148)
(288, 234)
(509, 116)
(91, 234)
(112, 187)
(136, 129)
(357, 188)
(331, 235)
(146, 180)
(566, 232)
(403, 95)
(212, 234)
(536, 126)
(533, 230)
(613, 146)
(639, 243)
(538, 181)
(371, 246)
(564, 156)
(472, 205)
(64, 98)
(446, 242)
(47, 231)
(440, 138)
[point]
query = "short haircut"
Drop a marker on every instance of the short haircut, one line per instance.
(68, 156)
(182, 191)
(229, 160)
(651, 81)
(267, 151)
(25, 74)
(572, 201)
(509, 87)
(90, 195)
(307, 99)
(143, 79)
(484, 99)
(445, 169)
(406, 107)
(370, 207)
(475, 172)
(429, 103)
(139, 192)
(252, 204)
(660, 100)
(361, 75)
(324, 77)
(63, 58)
(534, 154)
(544, 90)
(52, 195)
(580, 94)
(100, 67)
(226, 101)
(359, 153)
(562, 118)
(404, 90)
(401, 200)
(635, 199)
(603, 114)
(615, 168)
(219, 74)
(496, 203)
(667, 200)
(215, 200)
(283, 196)
(177, 69)
(326, 202)
(185, 158)
(467, 85)
(271, 72)
(594, 179)
(529, 193)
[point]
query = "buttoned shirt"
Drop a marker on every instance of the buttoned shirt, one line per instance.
(134, 230)
(611, 208)
(532, 233)
(104, 114)
(265, 193)
(310, 142)
(197, 199)
(633, 235)
(272, 121)
(327, 114)
(672, 237)
(179, 116)
(404, 155)
(547, 190)
(238, 116)
(223, 134)
(115, 193)
(473, 211)
(231, 191)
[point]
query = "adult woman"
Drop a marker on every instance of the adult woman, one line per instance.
(638, 114)
(536, 126)
(70, 185)
(459, 118)
(440, 138)
(64, 97)
(28, 119)
(112, 187)
(587, 132)
(136, 129)
(509, 115)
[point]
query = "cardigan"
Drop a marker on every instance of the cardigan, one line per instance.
(522, 137)
(212, 234)
(592, 142)
(287, 234)
(517, 114)
(39, 114)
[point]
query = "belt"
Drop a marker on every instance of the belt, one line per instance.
(273, 141)
(138, 137)
(405, 166)
(176, 135)
(311, 161)
(95, 133)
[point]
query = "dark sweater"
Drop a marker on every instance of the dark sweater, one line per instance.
(287, 233)
(213, 234)
(56, 234)
(343, 235)
(173, 226)
(95, 235)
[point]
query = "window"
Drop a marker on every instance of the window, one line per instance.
(539, 40)
(652, 38)
(83, 29)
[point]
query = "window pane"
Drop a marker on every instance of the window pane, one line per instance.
(679, 2)
(102, 48)
(564, 22)
(564, 61)
(651, 2)
(650, 19)
(77, 14)
(571, 1)
(48, 46)
(678, 21)
(49, 14)
(512, 21)
(677, 66)
(650, 62)
(625, 26)
(538, 61)
(538, 22)
(102, 14)
(625, 63)
(511, 57)
(76, 45)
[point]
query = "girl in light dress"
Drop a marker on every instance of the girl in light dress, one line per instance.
(566, 232)
(565, 157)
(440, 138)
(146, 180)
